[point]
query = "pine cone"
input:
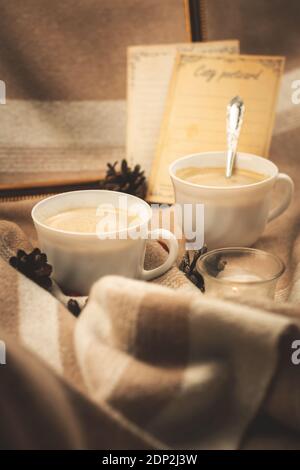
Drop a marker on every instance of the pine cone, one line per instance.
(33, 265)
(74, 307)
(125, 179)
(189, 268)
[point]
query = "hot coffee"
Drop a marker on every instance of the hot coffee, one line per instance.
(94, 233)
(216, 176)
(92, 219)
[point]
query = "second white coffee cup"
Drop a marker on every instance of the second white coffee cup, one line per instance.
(79, 259)
(237, 215)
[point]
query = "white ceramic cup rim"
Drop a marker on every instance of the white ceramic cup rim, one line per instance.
(88, 234)
(241, 155)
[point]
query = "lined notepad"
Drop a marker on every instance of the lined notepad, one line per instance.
(195, 112)
(148, 77)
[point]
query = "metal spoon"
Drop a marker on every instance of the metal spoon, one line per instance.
(235, 114)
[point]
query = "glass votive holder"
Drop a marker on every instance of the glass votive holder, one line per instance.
(238, 272)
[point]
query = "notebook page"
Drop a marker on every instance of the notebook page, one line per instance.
(149, 73)
(195, 114)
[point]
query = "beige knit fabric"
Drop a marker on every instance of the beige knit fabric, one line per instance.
(165, 362)
(153, 364)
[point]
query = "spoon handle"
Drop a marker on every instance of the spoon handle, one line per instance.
(235, 114)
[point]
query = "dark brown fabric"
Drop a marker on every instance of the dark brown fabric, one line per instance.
(44, 412)
(262, 26)
(64, 64)
(76, 50)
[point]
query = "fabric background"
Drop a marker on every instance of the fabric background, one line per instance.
(143, 361)
(64, 65)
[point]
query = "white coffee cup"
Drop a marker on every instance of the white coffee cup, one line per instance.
(233, 216)
(79, 259)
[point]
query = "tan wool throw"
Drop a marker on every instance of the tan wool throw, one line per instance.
(153, 365)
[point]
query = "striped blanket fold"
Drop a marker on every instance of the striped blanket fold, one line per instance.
(167, 364)
(191, 370)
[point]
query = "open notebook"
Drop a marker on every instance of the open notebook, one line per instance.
(195, 112)
(149, 72)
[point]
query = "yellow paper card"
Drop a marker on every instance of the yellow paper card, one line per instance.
(149, 72)
(195, 112)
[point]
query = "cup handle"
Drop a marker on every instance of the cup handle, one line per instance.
(288, 192)
(171, 242)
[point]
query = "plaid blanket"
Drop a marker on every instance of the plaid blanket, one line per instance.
(167, 366)
(153, 364)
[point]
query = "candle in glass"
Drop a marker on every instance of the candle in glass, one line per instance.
(240, 271)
